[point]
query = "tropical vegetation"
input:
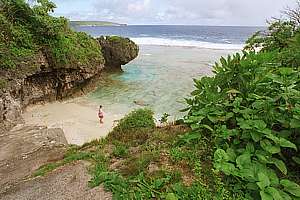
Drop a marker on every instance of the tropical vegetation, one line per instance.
(240, 138)
(26, 30)
(250, 109)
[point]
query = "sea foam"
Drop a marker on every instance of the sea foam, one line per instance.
(185, 43)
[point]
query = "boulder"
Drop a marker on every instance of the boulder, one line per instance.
(24, 149)
(117, 51)
(140, 103)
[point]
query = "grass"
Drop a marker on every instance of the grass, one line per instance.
(164, 165)
(3, 83)
(120, 150)
(73, 154)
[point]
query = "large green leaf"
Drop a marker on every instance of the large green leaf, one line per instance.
(275, 193)
(284, 195)
(280, 165)
(227, 168)
(285, 143)
(265, 196)
(231, 154)
(297, 160)
(256, 136)
(220, 155)
(243, 161)
(286, 71)
(260, 124)
(263, 181)
(245, 124)
(272, 176)
(295, 123)
(281, 141)
(291, 187)
(250, 148)
(269, 147)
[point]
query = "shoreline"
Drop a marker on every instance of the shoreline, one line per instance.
(78, 118)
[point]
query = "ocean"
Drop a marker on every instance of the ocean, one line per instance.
(220, 37)
(170, 58)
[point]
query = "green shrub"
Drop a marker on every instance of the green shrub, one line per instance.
(120, 150)
(140, 118)
(251, 106)
(134, 126)
(75, 49)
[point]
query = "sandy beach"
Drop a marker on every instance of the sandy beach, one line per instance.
(77, 117)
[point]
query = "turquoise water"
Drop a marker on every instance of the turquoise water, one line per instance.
(160, 78)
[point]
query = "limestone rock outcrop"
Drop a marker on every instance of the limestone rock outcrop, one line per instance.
(67, 182)
(117, 51)
(26, 148)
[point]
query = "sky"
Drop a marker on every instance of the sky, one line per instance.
(185, 12)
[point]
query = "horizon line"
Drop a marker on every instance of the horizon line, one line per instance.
(166, 24)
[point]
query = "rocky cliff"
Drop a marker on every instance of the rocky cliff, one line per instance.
(117, 51)
(43, 81)
(40, 84)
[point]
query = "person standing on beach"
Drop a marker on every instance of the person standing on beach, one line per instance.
(101, 114)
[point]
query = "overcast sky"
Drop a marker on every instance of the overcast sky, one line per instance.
(196, 12)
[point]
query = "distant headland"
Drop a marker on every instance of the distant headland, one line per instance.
(95, 23)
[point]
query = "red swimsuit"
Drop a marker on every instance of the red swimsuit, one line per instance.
(100, 115)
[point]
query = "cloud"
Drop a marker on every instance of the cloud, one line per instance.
(205, 12)
(225, 12)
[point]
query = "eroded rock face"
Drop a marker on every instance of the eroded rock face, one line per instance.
(117, 51)
(26, 148)
(42, 81)
(41, 84)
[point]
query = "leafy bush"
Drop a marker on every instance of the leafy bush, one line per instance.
(134, 126)
(275, 38)
(252, 109)
(75, 49)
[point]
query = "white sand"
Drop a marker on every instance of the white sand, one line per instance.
(77, 117)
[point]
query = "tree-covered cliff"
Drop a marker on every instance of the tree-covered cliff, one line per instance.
(27, 30)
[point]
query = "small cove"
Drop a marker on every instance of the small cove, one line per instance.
(160, 78)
